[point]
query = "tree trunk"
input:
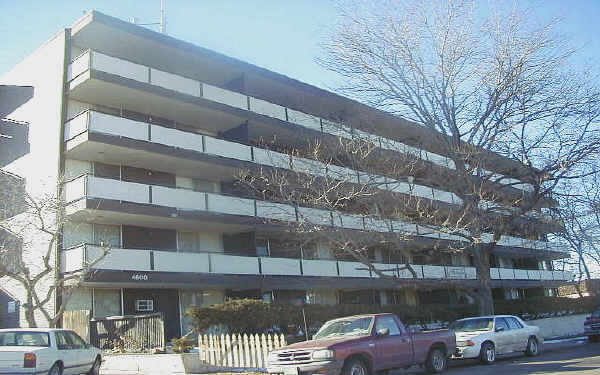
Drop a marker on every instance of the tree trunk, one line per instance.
(481, 260)
(29, 312)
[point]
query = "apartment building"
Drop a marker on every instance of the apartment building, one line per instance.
(147, 132)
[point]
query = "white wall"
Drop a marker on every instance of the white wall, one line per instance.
(43, 70)
(563, 326)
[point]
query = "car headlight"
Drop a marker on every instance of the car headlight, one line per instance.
(323, 354)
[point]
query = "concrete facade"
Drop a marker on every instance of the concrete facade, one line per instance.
(146, 133)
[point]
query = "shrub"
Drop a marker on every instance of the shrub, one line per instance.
(255, 316)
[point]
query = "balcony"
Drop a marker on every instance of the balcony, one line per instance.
(80, 68)
(76, 258)
(80, 144)
(90, 187)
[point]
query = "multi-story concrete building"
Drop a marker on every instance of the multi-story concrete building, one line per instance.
(147, 133)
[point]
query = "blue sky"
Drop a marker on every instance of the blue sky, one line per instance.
(280, 35)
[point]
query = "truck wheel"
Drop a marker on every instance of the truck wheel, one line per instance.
(436, 361)
(355, 367)
(532, 347)
(488, 353)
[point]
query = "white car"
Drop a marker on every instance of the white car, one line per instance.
(46, 351)
(485, 336)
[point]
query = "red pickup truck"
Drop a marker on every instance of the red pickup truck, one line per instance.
(364, 345)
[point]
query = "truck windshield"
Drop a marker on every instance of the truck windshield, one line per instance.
(24, 338)
(346, 327)
(469, 325)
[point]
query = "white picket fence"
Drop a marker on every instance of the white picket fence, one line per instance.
(238, 351)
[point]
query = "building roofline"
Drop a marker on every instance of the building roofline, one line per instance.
(96, 16)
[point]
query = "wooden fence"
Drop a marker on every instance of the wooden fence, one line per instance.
(78, 321)
(134, 333)
(238, 351)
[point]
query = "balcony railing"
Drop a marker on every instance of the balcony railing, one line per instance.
(101, 62)
(184, 199)
(76, 258)
(97, 122)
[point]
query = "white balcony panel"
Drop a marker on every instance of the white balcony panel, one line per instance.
(76, 126)
(230, 205)
(268, 109)
(336, 129)
(227, 149)
(406, 274)
(118, 190)
(422, 191)
(275, 211)
(433, 272)
(223, 96)
(506, 273)
(170, 261)
(534, 274)
(314, 216)
(175, 82)
(546, 275)
(120, 259)
(377, 225)
(75, 189)
(79, 65)
(456, 272)
(303, 119)
(280, 266)
(400, 226)
(350, 221)
(366, 137)
(353, 269)
(494, 274)
(308, 166)
(113, 125)
(231, 264)
(176, 138)
(521, 274)
(271, 158)
(179, 198)
(319, 267)
(72, 259)
(399, 187)
(471, 273)
(120, 67)
(386, 269)
(342, 173)
(558, 275)
(372, 180)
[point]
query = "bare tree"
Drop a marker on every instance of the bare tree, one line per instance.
(28, 243)
(495, 95)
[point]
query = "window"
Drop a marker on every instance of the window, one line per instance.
(387, 322)
(513, 323)
(144, 305)
(24, 338)
(500, 322)
(188, 242)
(76, 341)
(62, 342)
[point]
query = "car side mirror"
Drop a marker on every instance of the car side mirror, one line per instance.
(383, 332)
(499, 329)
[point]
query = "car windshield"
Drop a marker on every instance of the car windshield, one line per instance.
(470, 325)
(345, 327)
(24, 338)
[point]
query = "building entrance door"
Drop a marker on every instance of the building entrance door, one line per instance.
(147, 301)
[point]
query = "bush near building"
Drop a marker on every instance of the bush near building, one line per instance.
(255, 316)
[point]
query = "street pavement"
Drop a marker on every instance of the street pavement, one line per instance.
(572, 357)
